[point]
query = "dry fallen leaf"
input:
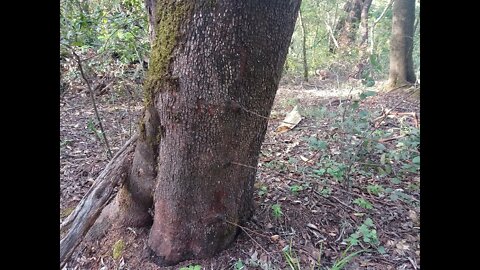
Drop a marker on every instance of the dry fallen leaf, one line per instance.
(312, 226)
(307, 160)
(303, 158)
(402, 245)
(275, 237)
(413, 216)
(291, 120)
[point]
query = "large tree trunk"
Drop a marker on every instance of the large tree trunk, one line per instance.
(401, 44)
(213, 74)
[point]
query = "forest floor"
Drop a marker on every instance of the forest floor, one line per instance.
(340, 189)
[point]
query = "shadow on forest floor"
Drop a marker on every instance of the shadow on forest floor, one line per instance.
(345, 181)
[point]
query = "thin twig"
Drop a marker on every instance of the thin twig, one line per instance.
(392, 138)
(338, 200)
(243, 165)
(342, 203)
(372, 28)
(332, 36)
(363, 196)
(264, 117)
(345, 108)
(245, 231)
(92, 96)
(245, 228)
(103, 46)
(312, 157)
(413, 263)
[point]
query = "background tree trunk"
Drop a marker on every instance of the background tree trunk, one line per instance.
(372, 28)
(304, 47)
(355, 18)
(401, 44)
(364, 22)
(151, 7)
(213, 74)
(348, 24)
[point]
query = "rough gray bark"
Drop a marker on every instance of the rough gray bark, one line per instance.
(401, 44)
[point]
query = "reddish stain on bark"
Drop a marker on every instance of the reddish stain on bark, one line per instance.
(211, 110)
(219, 200)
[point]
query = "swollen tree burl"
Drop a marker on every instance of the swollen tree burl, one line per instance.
(214, 71)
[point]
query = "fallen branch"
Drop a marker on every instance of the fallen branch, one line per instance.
(392, 138)
(92, 204)
(338, 200)
(392, 113)
(332, 35)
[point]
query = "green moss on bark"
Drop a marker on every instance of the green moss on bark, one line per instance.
(170, 17)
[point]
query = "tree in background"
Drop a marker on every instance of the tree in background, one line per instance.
(214, 70)
(401, 44)
(364, 22)
(356, 11)
(304, 46)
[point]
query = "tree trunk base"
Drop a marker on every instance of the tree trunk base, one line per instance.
(122, 212)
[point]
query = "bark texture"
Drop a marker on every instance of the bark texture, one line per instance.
(401, 44)
(364, 22)
(355, 18)
(214, 68)
(348, 24)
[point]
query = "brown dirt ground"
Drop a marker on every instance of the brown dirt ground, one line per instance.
(312, 224)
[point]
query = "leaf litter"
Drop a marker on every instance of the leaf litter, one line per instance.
(299, 170)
